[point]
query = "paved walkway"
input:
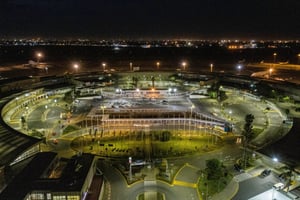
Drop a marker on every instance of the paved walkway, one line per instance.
(228, 193)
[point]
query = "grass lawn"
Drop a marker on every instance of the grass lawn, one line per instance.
(69, 129)
(211, 187)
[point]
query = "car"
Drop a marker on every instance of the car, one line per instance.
(265, 173)
(278, 186)
(282, 176)
(238, 167)
(55, 141)
(164, 102)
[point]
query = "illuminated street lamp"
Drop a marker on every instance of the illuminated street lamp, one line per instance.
(239, 68)
(39, 55)
(102, 108)
(298, 58)
(274, 59)
(211, 67)
(275, 162)
(184, 64)
(137, 91)
(104, 65)
(192, 107)
(230, 114)
(270, 72)
(76, 67)
(157, 65)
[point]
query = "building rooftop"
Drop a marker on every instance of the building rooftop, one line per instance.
(12, 142)
(32, 177)
(19, 187)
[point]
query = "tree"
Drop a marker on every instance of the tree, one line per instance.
(248, 132)
(214, 89)
(248, 136)
(214, 169)
(287, 111)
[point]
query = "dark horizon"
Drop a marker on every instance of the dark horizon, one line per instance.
(150, 20)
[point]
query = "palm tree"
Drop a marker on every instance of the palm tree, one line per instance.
(248, 135)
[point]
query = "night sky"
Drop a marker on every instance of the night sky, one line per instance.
(150, 19)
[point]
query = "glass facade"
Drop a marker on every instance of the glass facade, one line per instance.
(37, 196)
(59, 197)
(50, 196)
(73, 197)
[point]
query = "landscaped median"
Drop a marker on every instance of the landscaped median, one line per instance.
(213, 179)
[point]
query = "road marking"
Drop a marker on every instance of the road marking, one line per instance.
(185, 184)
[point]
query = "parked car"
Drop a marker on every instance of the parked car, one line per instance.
(238, 167)
(278, 186)
(265, 173)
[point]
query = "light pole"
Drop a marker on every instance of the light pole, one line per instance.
(275, 162)
(103, 108)
(298, 58)
(130, 168)
(192, 107)
(239, 67)
(184, 65)
(270, 72)
(211, 67)
(157, 65)
(104, 65)
(274, 59)
(230, 114)
(76, 66)
(39, 55)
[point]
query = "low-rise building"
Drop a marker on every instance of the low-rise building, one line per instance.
(47, 177)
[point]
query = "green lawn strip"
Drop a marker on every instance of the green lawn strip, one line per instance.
(257, 131)
(211, 187)
(70, 128)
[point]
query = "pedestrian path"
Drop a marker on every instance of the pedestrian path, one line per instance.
(228, 193)
(187, 176)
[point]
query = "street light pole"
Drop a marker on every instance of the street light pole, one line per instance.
(230, 114)
(104, 65)
(102, 107)
(239, 67)
(270, 72)
(157, 65)
(39, 55)
(274, 55)
(130, 168)
(192, 107)
(184, 65)
(76, 66)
